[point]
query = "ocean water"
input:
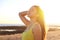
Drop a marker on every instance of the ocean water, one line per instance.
(11, 25)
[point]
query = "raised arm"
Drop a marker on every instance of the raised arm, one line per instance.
(22, 16)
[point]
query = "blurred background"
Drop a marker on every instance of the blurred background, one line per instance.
(11, 25)
(9, 10)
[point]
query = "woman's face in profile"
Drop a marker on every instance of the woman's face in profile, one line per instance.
(32, 12)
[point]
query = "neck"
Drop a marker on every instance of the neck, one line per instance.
(34, 21)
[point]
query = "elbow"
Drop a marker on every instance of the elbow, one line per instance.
(19, 14)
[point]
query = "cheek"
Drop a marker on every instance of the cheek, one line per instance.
(30, 14)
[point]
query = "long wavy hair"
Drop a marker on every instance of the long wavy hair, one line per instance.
(41, 21)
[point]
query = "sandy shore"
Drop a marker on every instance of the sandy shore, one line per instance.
(51, 35)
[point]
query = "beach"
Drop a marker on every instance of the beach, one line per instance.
(52, 34)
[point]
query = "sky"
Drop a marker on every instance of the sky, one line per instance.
(9, 10)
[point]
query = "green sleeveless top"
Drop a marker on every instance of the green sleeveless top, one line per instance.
(28, 34)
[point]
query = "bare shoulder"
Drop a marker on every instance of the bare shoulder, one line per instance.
(37, 25)
(37, 31)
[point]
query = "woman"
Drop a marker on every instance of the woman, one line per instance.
(35, 26)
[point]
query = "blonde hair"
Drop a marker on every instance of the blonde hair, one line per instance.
(41, 20)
